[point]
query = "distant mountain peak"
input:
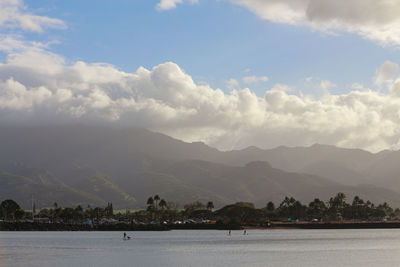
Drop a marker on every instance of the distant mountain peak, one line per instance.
(83, 164)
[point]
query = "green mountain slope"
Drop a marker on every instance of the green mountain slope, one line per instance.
(101, 187)
(22, 189)
(89, 165)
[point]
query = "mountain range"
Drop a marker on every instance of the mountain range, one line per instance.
(81, 164)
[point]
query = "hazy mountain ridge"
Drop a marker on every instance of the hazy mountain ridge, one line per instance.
(22, 189)
(125, 166)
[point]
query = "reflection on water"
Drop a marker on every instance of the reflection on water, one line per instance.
(202, 248)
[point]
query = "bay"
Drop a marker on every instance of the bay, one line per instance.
(368, 247)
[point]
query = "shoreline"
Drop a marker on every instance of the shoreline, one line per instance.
(328, 225)
(25, 226)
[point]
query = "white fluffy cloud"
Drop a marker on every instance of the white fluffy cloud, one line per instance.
(255, 79)
(167, 99)
(386, 73)
(282, 87)
(232, 84)
(37, 85)
(373, 19)
(14, 14)
(15, 96)
(171, 4)
(326, 85)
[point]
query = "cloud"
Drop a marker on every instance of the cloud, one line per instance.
(386, 73)
(15, 96)
(374, 20)
(15, 15)
(171, 4)
(357, 86)
(395, 88)
(38, 86)
(282, 87)
(326, 85)
(232, 84)
(166, 99)
(255, 79)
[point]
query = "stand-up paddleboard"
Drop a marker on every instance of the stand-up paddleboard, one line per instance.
(126, 237)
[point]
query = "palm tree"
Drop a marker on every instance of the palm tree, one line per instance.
(163, 204)
(316, 208)
(337, 205)
(150, 201)
(156, 199)
(270, 206)
(210, 205)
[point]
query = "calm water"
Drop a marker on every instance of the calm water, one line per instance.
(202, 248)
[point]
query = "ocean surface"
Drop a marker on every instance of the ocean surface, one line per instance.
(202, 248)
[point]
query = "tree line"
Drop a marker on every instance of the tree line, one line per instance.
(159, 210)
(335, 209)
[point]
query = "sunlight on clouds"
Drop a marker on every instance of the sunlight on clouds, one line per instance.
(171, 4)
(375, 20)
(386, 73)
(167, 99)
(15, 96)
(14, 14)
(37, 85)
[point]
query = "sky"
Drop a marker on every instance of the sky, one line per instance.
(230, 73)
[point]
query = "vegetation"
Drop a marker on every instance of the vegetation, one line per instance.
(10, 210)
(139, 163)
(159, 211)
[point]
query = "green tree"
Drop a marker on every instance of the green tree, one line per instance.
(98, 213)
(150, 201)
(8, 208)
(270, 206)
(337, 206)
(67, 215)
(19, 214)
(358, 208)
(78, 214)
(316, 208)
(163, 204)
(291, 208)
(286, 206)
(241, 212)
(385, 209)
(197, 205)
(210, 205)
(109, 210)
